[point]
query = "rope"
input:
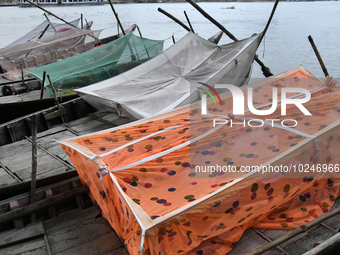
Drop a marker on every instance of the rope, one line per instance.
(306, 57)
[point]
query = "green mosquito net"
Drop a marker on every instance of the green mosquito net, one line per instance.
(98, 64)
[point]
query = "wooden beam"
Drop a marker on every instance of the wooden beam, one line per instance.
(324, 69)
(34, 162)
(42, 204)
(293, 233)
(14, 236)
(174, 19)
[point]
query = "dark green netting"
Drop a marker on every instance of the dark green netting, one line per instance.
(98, 64)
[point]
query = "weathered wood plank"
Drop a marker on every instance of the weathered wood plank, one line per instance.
(305, 241)
(46, 163)
(5, 178)
(14, 236)
(76, 216)
(86, 125)
(55, 114)
(249, 241)
(14, 149)
(105, 244)
(119, 251)
(23, 199)
(68, 227)
(52, 131)
(31, 245)
(42, 204)
(39, 251)
(51, 140)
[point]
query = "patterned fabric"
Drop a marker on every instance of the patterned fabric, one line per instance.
(185, 211)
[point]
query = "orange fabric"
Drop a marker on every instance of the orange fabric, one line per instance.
(168, 183)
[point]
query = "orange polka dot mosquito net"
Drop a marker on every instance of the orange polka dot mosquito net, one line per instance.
(154, 180)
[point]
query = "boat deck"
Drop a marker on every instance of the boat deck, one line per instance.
(80, 230)
(76, 231)
(73, 232)
(15, 158)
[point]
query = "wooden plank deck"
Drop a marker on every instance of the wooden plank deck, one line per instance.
(72, 232)
(15, 158)
(81, 231)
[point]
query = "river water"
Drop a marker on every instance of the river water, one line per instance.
(285, 45)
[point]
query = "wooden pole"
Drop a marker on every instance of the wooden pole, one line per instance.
(174, 19)
(81, 21)
(140, 34)
(269, 20)
(57, 17)
(186, 16)
(294, 233)
(50, 22)
(116, 15)
(211, 19)
(55, 97)
(42, 85)
(36, 5)
(43, 32)
(34, 162)
(324, 69)
(264, 69)
(41, 35)
(22, 74)
(17, 213)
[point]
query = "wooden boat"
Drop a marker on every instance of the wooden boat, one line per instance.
(47, 3)
(26, 56)
(23, 97)
(72, 231)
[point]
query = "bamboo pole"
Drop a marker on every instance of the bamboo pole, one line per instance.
(55, 97)
(186, 16)
(34, 162)
(57, 17)
(36, 5)
(42, 85)
(264, 69)
(50, 22)
(324, 69)
(294, 233)
(116, 15)
(174, 19)
(329, 246)
(140, 34)
(13, 82)
(269, 20)
(22, 75)
(81, 21)
(212, 20)
(41, 35)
